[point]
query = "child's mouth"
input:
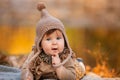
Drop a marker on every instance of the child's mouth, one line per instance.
(54, 48)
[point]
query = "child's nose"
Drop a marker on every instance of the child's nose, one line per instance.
(54, 42)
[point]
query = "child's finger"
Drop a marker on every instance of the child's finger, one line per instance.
(53, 60)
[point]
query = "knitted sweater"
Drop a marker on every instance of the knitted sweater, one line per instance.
(41, 68)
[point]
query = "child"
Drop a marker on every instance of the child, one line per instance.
(51, 57)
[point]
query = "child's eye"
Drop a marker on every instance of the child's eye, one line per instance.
(48, 39)
(58, 38)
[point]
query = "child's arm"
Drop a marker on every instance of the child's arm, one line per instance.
(26, 74)
(66, 71)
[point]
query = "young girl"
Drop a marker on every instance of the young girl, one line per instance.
(51, 57)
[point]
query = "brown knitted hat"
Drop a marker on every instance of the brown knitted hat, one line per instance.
(48, 22)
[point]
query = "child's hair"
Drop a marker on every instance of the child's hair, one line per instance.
(50, 32)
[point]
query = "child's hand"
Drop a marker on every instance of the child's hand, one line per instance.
(55, 59)
(28, 78)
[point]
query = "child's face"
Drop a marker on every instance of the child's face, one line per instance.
(53, 44)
